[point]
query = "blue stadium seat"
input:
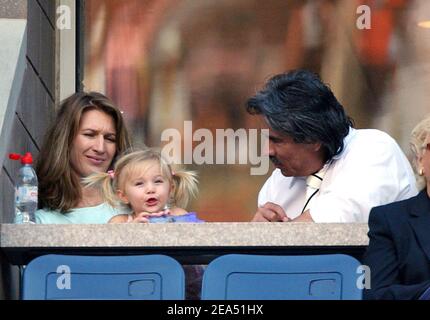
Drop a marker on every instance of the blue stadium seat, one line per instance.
(255, 277)
(146, 277)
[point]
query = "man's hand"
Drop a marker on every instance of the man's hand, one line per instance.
(270, 212)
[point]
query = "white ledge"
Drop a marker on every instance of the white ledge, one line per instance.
(183, 235)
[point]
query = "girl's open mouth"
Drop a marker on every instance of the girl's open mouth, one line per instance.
(151, 201)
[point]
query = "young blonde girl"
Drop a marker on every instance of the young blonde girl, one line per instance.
(146, 183)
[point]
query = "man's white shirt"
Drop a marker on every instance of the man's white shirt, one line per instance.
(371, 170)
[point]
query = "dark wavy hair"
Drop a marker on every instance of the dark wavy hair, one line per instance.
(301, 106)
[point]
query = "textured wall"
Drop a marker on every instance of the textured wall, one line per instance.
(36, 100)
(31, 114)
(13, 9)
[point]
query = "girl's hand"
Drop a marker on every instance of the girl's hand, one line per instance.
(156, 214)
(140, 218)
(143, 217)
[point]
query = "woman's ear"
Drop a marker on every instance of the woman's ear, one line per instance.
(121, 195)
(419, 160)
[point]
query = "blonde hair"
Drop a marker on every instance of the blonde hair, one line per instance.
(418, 141)
(59, 188)
(184, 182)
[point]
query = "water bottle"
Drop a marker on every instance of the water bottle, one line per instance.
(25, 190)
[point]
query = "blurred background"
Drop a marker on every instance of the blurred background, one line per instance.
(167, 61)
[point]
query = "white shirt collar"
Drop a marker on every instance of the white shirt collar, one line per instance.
(323, 170)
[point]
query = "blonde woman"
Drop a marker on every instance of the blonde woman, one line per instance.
(145, 183)
(399, 249)
(85, 137)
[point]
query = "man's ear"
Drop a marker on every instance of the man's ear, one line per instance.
(121, 195)
(317, 146)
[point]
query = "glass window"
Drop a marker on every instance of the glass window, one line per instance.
(169, 61)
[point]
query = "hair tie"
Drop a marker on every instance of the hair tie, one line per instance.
(111, 173)
(173, 173)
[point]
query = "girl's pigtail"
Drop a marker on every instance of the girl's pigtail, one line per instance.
(104, 182)
(185, 187)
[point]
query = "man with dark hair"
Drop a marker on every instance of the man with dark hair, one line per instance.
(326, 171)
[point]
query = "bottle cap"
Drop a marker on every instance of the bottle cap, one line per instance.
(26, 159)
(14, 156)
